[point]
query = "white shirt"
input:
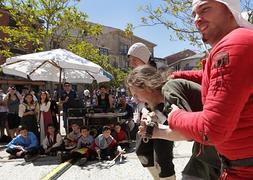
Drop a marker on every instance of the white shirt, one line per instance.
(2, 107)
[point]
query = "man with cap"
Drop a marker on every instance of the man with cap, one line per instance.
(226, 120)
(139, 54)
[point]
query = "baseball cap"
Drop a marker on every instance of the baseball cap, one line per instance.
(234, 7)
(141, 51)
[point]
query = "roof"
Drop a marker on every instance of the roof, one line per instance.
(178, 56)
(194, 57)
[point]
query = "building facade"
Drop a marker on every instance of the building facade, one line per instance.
(183, 60)
(189, 63)
(114, 43)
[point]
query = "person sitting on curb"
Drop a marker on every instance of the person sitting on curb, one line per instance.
(71, 139)
(105, 145)
(83, 151)
(25, 145)
(53, 141)
(120, 136)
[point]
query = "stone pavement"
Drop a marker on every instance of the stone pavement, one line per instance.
(131, 169)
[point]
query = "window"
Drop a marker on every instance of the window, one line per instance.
(123, 49)
(103, 51)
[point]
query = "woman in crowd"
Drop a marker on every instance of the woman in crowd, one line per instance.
(13, 99)
(54, 111)
(45, 115)
(149, 85)
(139, 55)
(104, 99)
(28, 112)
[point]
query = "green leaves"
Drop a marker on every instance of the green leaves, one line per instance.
(39, 25)
(129, 30)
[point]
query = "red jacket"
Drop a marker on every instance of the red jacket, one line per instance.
(227, 95)
(121, 136)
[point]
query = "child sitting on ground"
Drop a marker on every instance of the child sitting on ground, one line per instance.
(84, 146)
(120, 136)
(71, 139)
(25, 145)
(105, 145)
(53, 141)
(83, 149)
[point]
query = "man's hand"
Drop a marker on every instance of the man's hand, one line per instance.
(143, 128)
(150, 117)
(31, 112)
(18, 154)
(98, 153)
(20, 148)
(66, 99)
(173, 109)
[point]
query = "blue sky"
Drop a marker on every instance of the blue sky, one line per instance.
(117, 13)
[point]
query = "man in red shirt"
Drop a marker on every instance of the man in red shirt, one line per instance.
(226, 120)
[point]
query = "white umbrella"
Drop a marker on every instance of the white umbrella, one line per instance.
(55, 65)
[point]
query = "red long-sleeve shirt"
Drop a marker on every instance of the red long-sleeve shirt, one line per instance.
(227, 95)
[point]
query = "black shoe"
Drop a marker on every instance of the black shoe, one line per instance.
(124, 157)
(63, 156)
(29, 158)
(82, 161)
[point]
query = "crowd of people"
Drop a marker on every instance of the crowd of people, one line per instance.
(28, 110)
(31, 123)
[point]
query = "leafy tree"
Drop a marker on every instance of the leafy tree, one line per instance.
(48, 24)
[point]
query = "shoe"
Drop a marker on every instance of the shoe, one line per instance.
(123, 157)
(29, 158)
(59, 156)
(99, 158)
(12, 157)
(82, 161)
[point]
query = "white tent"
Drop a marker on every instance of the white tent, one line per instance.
(55, 65)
